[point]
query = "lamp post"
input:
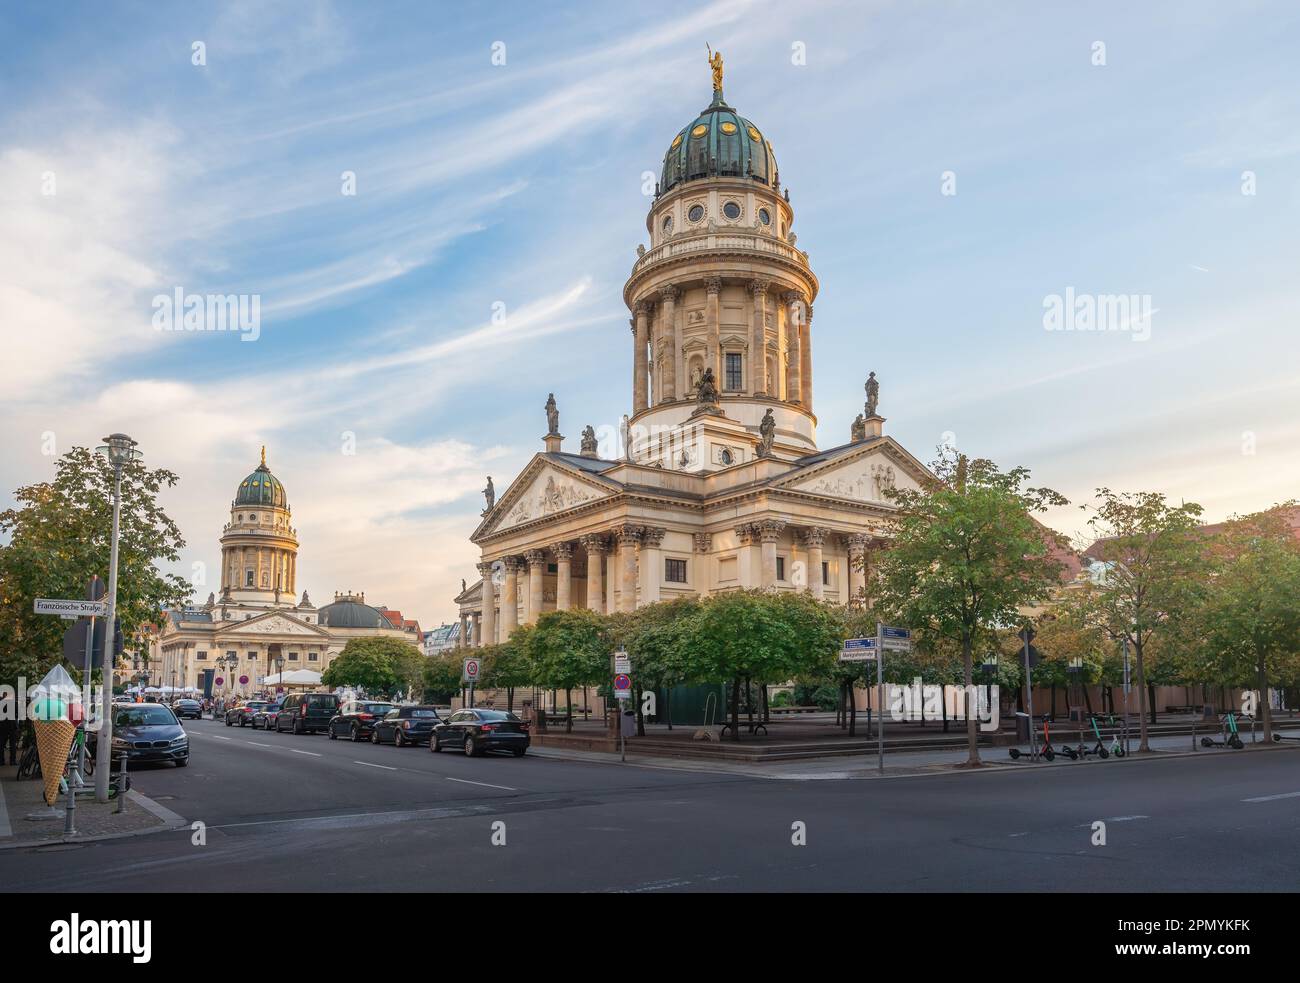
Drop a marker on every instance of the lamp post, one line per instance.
(120, 450)
(989, 669)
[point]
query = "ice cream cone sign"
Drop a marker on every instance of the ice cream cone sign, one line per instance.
(51, 698)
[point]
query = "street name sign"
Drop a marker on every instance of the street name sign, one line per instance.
(858, 650)
(622, 662)
(71, 608)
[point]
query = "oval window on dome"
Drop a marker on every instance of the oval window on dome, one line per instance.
(668, 223)
(765, 216)
(732, 210)
(755, 135)
(699, 131)
(728, 127)
(677, 142)
(696, 213)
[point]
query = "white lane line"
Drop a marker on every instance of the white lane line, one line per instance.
(314, 754)
(255, 744)
(466, 781)
(370, 765)
(1270, 798)
(218, 737)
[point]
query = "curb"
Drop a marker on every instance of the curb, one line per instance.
(172, 822)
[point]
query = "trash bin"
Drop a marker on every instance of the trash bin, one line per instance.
(629, 723)
(1022, 727)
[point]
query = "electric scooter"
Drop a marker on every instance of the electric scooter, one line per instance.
(1230, 736)
(1099, 748)
(1046, 751)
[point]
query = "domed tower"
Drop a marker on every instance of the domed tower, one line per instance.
(259, 547)
(722, 290)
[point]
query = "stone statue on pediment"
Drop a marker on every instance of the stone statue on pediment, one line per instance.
(767, 433)
(589, 439)
(490, 495)
(873, 394)
(552, 416)
(859, 429)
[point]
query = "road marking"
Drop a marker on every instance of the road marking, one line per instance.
(218, 737)
(157, 808)
(1270, 798)
(1125, 819)
(314, 754)
(466, 781)
(370, 765)
(255, 744)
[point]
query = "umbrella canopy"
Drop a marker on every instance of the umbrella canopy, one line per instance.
(298, 677)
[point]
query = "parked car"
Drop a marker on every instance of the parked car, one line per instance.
(188, 708)
(146, 732)
(265, 717)
(478, 730)
(243, 714)
(307, 713)
(405, 725)
(357, 718)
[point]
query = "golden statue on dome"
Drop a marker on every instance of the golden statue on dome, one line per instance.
(715, 62)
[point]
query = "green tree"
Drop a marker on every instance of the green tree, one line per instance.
(966, 556)
(653, 638)
(376, 664)
(505, 666)
(1151, 553)
(1250, 620)
(59, 535)
(568, 649)
(441, 676)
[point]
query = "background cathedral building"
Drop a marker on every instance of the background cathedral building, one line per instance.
(719, 483)
(257, 625)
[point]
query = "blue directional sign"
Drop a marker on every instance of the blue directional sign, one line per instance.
(858, 650)
(895, 639)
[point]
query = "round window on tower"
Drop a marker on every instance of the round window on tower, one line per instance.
(695, 213)
(765, 216)
(251, 517)
(732, 210)
(728, 128)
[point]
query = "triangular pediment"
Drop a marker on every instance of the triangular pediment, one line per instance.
(859, 474)
(543, 489)
(272, 623)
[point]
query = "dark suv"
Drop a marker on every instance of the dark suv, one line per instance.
(357, 718)
(306, 713)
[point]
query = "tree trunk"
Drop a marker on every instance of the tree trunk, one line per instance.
(1151, 691)
(1143, 735)
(767, 717)
(972, 724)
(510, 699)
(668, 705)
(568, 702)
(943, 704)
(853, 711)
(735, 709)
(749, 702)
(1087, 699)
(1261, 682)
(1052, 712)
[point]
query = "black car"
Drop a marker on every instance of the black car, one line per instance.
(265, 717)
(306, 713)
(188, 708)
(406, 725)
(476, 731)
(146, 732)
(243, 714)
(357, 719)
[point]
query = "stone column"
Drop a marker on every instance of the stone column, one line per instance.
(595, 547)
(476, 629)
(814, 539)
(857, 544)
(758, 337)
(652, 574)
(769, 531)
(628, 536)
(668, 329)
(713, 319)
(640, 343)
(462, 639)
(510, 596)
(488, 632)
(704, 563)
(795, 315)
(805, 359)
(563, 575)
(536, 569)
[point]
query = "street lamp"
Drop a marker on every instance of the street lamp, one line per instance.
(120, 451)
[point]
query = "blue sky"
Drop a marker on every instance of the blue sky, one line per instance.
(520, 185)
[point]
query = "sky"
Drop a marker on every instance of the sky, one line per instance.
(953, 167)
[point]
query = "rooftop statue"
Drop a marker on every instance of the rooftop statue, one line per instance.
(490, 494)
(589, 439)
(767, 433)
(552, 416)
(873, 394)
(715, 63)
(859, 429)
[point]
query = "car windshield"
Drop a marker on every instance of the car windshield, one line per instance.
(254, 706)
(141, 716)
(322, 701)
(377, 707)
(423, 713)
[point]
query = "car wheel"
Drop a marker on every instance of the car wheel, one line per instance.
(330, 730)
(297, 727)
(182, 762)
(434, 746)
(520, 752)
(228, 723)
(356, 733)
(471, 749)
(374, 737)
(398, 739)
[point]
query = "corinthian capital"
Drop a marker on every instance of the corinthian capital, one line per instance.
(653, 536)
(759, 287)
(628, 534)
(669, 294)
(713, 285)
(594, 543)
(769, 530)
(562, 551)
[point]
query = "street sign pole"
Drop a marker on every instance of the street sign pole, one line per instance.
(880, 688)
(1027, 635)
(104, 743)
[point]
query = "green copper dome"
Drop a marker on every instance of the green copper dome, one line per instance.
(262, 488)
(719, 143)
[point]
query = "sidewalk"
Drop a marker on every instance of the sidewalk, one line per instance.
(904, 764)
(95, 821)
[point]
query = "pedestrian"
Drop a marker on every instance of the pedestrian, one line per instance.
(9, 729)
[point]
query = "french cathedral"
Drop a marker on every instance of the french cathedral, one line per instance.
(258, 626)
(719, 482)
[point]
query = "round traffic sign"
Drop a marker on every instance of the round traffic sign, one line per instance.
(622, 681)
(471, 668)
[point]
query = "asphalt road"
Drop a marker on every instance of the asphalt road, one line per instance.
(306, 813)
